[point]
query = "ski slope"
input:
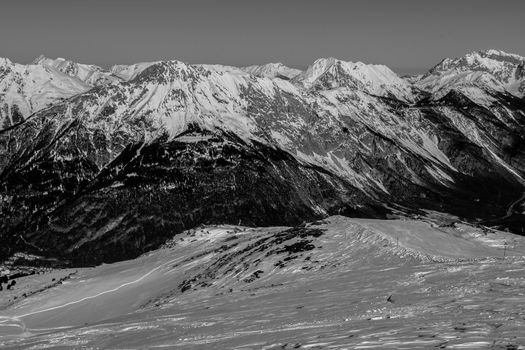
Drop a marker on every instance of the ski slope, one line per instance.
(343, 283)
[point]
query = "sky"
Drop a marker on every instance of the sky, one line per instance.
(406, 35)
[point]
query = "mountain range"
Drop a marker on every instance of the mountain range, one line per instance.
(99, 165)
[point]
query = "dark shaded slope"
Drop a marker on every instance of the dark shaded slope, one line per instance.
(152, 191)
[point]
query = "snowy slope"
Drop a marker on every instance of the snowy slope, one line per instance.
(340, 283)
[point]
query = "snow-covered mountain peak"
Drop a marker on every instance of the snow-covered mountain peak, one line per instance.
(331, 73)
(129, 71)
(156, 71)
(165, 71)
(318, 68)
(499, 55)
(272, 70)
(490, 70)
(87, 73)
(39, 59)
(43, 59)
(492, 61)
(25, 89)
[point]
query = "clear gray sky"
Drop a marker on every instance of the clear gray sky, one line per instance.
(406, 35)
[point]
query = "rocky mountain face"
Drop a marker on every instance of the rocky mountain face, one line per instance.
(106, 164)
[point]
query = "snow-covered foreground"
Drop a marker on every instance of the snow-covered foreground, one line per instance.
(337, 283)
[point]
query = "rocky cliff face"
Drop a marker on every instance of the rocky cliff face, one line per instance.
(142, 152)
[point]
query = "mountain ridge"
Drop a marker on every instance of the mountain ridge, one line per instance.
(357, 138)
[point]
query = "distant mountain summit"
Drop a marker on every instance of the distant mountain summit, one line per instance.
(490, 70)
(25, 89)
(99, 165)
(272, 70)
(90, 74)
(330, 73)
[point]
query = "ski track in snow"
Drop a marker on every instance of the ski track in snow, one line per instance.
(101, 293)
